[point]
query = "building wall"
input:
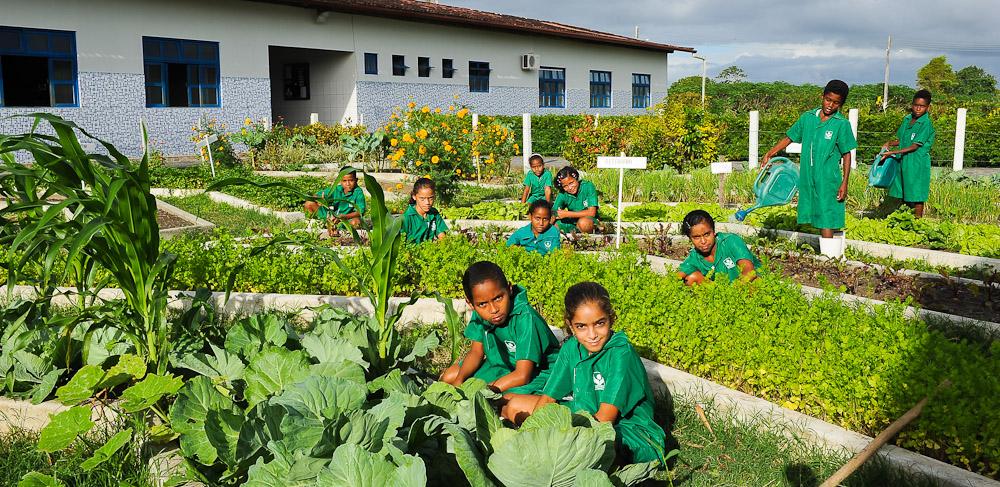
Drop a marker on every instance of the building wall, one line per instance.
(331, 86)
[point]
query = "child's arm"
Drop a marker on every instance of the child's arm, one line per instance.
(525, 193)
(845, 161)
(519, 377)
(590, 211)
(891, 143)
(469, 365)
(905, 150)
(543, 400)
(693, 278)
(747, 272)
(780, 146)
(607, 413)
(548, 194)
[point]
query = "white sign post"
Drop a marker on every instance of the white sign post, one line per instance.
(722, 168)
(621, 163)
(207, 144)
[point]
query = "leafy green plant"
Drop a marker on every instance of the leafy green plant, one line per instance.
(366, 148)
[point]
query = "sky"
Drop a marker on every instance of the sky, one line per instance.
(798, 41)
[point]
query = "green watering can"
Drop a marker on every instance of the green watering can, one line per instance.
(883, 170)
(776, 185)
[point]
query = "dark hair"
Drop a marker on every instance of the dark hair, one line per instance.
(421, 184)
(540, 204)
(536, 156)
(925, 94)
(352, 172)
(588, 292)
(564, 173)
(696, 217)
(837, 87)
(481, 272)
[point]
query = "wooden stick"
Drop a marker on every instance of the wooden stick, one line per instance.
(862, 456)
(704, 419)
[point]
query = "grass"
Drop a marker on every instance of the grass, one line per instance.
(18, 456)
(231, 218)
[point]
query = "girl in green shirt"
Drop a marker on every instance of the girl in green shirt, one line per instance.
(914, 138)
(576, 204)
(598, 371)
(512, 346)
(421, 221)
(714, 254)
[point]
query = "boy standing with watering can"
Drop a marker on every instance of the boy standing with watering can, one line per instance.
(827, 141)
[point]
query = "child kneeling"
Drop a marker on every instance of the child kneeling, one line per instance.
(512, 346)
(598, 371)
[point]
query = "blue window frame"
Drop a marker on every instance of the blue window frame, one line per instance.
(600, 89)
(551, 87)
(38, 68)
(479, 77)
(181, 73)
(371, 63)
(640, 90)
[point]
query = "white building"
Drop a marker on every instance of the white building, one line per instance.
(107, 64)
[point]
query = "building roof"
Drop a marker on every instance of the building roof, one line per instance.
(466, 17)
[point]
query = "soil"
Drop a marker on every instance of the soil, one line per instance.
(169, 220)
(938, 293)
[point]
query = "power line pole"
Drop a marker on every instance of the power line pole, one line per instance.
(885, 86)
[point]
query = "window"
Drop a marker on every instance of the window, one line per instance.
(479, 76)
(37, 68)
(423, 67)
(640, 90)
(296, 81)
(181, 73)
(600, 89)
(551, 87)
(371, 63)
(447, 68)
(399, 66)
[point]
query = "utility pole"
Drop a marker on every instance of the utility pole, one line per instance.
(704, 69)
(885, 86)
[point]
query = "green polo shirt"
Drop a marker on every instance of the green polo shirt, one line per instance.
(729, 249)
(339, 203)
(585, 197)
(537, 185)
(543, 244)
(419, 229)
(614, 375)
(525, 336)
(913, 174)
(820, 171)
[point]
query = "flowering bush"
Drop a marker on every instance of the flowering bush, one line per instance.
(441, 144)
(222, 149)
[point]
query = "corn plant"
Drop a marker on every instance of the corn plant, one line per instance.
(91, 211)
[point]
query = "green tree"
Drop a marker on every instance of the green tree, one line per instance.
(973, 80)
(732, 74)
(937, 76)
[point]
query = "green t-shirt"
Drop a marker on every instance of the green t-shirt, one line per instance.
(537, 185)
(820, 172)
(543, 244)
(419, 229)
(614, 375)
(729, 249)
(339, 203)
(525, 336)
(585, 197)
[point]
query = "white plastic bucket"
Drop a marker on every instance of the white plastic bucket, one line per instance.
(832, 247)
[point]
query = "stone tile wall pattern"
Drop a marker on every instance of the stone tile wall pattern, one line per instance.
(112, 104)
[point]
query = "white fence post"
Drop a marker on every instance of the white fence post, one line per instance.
(526, 141)
(475, 159)
(959, 140)
(313, 118)
(852, 116)
(753, 155)
(597, 118)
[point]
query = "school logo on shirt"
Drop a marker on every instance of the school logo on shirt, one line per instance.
(828, 135)
(729, 263)
(433, 226)
(598, 381)
(511, 346)
(912, 136)
(547, 244)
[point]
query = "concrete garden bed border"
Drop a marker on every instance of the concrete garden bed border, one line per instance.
(742, 405)
(197, 224)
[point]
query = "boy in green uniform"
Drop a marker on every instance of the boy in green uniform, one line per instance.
(912, 183)
(512, 347)
(827, 141)
(714, 254)
(576, 205)
(598, 371)
(421, 221)
(539, 235)
(345, 202)
(538, 181)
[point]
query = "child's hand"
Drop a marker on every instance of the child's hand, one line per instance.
(842, 192)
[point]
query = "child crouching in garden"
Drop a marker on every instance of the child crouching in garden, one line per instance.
(714, 254)
(421, 221)
(343, 203)
(539, 235)
(598, 371)
(576, 205)
(512, 346)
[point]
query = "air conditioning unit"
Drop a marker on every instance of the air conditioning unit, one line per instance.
(529, 62)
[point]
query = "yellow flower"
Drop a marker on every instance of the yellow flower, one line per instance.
(425, 109)
(475, 153)
(465, 131)
(407, 138)
(447, 148)
(411, 105)
(422, 134)
(428, 176)
(458, 171)
(419, 163)
(437, 110)
(422, 150)
(393, 142)
(399, 185)
(247, 121)
(461, 113)
(435, 159)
